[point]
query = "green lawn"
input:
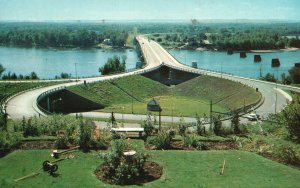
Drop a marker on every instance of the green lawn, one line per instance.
(185, 99)
(180, 105)
(181, 169)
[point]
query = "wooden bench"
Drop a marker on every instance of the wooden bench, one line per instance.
(129, 130)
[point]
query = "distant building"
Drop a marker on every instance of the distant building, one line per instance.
(107, 41)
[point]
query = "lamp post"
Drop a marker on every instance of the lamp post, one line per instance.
(123, 115)
(276, 92)
(53, 104)
(76, 72)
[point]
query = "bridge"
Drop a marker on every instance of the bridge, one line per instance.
(275, 99)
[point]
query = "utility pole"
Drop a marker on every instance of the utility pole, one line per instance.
(132, 101)
(276, 94)
(221, 69)
(210, 114)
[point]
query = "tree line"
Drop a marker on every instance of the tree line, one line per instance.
(61, 38)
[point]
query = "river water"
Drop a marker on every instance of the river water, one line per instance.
(48, 63)
(233, 64)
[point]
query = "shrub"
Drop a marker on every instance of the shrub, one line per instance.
(287, 153)
(61, 142)
(99, 143)
(190, 141)
(182, 129)
(148, 126)
(161, 141)
(202, 146)
(30, 128)
(120, 168)
(8, 141)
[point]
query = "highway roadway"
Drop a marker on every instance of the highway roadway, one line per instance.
(24, 105)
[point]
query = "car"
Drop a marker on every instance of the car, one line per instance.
(252, 117)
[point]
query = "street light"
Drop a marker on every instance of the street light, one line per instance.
(53, 103)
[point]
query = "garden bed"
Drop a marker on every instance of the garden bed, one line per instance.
(37, 144)
(209, 145)
(152, 171)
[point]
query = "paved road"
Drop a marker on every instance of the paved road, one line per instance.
(24, 105)
(155, 55)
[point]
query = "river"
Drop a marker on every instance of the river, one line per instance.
(233, 64)
(48, 63)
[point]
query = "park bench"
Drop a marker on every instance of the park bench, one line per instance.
(129, 130)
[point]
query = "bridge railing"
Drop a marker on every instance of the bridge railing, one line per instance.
(5, 99)
(46, 94)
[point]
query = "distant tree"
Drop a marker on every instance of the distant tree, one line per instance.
(295, 74)
(64, 75)
(268, 77)
(286, 79)
(33, 76)
(2, 69)
(194, 21)
(159, 39)
(113, 65)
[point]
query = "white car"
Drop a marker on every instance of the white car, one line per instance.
(252, 117)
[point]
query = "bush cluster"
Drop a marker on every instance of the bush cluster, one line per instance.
(120, 168)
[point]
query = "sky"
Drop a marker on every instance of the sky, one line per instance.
(50, 10)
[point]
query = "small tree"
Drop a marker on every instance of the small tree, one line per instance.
(235, 123)
(85, 135)
(295, 74)
(200, 129)
(113, 65)
(182, 127)
(291, 119)
(217, 123)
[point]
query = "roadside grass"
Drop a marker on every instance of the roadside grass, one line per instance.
(9, 88)
(180, 169)
(185, 99)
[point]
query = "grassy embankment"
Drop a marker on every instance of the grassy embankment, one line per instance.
(9, 88)
(190, 169)
(185, 99)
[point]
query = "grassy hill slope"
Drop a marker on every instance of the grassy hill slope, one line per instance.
(186, 99)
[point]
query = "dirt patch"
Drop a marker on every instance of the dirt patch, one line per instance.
(37, 144)
(208, 145)
(152, 171)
